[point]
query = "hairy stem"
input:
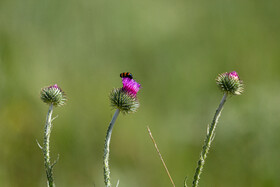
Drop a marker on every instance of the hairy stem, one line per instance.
(107, 150)
(207, 143)
(46, 147)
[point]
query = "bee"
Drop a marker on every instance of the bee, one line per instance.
(126, 74)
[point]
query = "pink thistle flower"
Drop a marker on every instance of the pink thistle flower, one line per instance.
(125, 98)
(130, 86)
(230, 83)
(234, 75)
(54, 86)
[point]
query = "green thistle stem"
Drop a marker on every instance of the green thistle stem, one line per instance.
(107, 150)
(207, 143)
(46, 147)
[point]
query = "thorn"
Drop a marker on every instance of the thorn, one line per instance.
(54, 118)
(55, 161)
(39, 144)
(212, 138)
(118, 183)
(185, 182)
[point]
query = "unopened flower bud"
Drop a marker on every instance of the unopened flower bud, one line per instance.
(53, 95)
(230, 83)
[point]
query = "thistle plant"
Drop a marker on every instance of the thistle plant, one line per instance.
(123, 100)
(230, 84)
(53, 96)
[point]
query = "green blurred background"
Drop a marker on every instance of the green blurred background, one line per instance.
(175, 49)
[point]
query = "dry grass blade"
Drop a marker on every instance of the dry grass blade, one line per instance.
(150, 133)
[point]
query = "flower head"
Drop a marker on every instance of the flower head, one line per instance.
(233, 75)
(53, 95)
(230, 83)
(130, 86)
(125, 98)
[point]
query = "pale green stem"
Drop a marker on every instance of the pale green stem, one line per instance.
(107, 150)
(46, 147)
(185, 182)
(207, 143)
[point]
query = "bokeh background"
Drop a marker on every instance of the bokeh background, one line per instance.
(175, 49)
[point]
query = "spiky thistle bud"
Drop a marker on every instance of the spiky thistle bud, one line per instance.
(230, 83)
(125, 98)
(53, 95)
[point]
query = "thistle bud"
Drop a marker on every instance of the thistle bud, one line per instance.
(53, 95)
(125, 98)
(230, 83)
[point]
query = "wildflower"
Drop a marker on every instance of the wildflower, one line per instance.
(125, 98)
(53, 95)
(230, 83)
(130, 86)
